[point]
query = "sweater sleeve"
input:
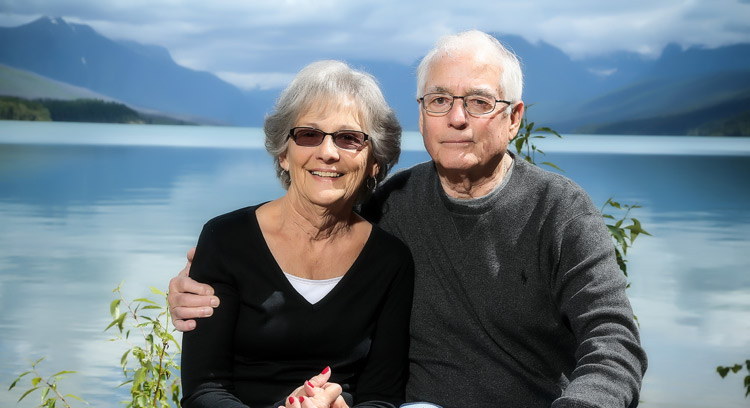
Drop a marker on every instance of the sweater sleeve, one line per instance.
(384, 376)
(207, 351)
(590, 292)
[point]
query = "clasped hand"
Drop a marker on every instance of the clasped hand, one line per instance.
(317, 392)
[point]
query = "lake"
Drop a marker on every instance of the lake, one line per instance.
(84, 207)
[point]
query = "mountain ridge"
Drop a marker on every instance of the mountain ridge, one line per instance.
(568, 95)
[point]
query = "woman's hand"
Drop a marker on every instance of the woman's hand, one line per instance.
(317, 392)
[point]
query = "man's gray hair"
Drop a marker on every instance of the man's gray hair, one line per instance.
(511, 79)
(330, 85)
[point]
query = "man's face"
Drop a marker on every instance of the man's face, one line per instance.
(460, 143)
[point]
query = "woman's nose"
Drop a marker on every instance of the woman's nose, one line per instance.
(327, 149)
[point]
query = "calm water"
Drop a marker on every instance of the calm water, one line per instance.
(84, 207)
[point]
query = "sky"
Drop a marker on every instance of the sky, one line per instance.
(262, 44)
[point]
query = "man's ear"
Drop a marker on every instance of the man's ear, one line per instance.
(421, 118)
(516, 115)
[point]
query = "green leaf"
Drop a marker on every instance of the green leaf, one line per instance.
(18, 379)
(144, 300)
(119, 321)
(124, 358)
(126, 382)
(723, 371)
(44, 394)
(114, 308)
(139, 376)
(157, 291)
(616, 234)
(36, 381)
(553, 165)
(75, 397)
(63, 373)
(27, 393)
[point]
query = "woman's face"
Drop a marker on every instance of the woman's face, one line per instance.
(326, 175)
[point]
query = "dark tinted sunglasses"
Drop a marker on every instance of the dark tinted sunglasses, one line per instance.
(344, 139)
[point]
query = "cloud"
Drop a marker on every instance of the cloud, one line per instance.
(262, 42)
(257, 80)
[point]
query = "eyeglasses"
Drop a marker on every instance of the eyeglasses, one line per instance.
(439, 102)
(344, 139)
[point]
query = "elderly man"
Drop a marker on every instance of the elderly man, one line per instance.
(518, 299)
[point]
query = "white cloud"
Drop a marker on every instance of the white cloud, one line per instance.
(257, 80)
(251, 39)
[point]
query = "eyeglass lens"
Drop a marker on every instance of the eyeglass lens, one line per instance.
(345, 139)
(442, 103)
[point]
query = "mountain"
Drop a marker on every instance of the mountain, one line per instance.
(618, 93)
(621, 93)
(662, 96)
(28, 85)
(143, 76)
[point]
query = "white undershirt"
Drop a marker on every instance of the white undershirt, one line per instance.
(311, 289)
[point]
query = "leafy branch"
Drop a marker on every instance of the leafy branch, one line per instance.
(723, 371)
(150, 381)
(523, 142)
(46, 385)
(624, 234)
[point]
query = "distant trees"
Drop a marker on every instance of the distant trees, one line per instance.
(22, 109)
(90, 110)
(79, 110)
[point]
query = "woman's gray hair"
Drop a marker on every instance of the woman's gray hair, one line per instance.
(511, 78)
(332, 84)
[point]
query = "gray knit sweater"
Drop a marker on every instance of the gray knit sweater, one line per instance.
(518, 298)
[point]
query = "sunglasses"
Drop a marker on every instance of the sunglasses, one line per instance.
(344, 139)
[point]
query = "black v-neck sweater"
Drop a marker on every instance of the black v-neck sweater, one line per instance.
(265, 339)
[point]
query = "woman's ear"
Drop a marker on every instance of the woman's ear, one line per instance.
(374, 168)
(283, 161)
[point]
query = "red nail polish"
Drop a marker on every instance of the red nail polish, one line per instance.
(301, 399)
(309, 384)
(291, 400)
(326, 370)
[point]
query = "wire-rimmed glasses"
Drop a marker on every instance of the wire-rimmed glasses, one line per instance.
(440, 102)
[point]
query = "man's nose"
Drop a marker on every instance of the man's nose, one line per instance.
(457, 114)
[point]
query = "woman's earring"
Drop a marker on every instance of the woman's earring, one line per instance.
(371, 183)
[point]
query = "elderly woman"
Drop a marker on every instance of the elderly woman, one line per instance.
(306, 283)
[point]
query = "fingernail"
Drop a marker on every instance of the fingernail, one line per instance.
(291, 400)
(207, 311)
(326, 370)
(214, 302)
(301, 399)
(309, 384)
